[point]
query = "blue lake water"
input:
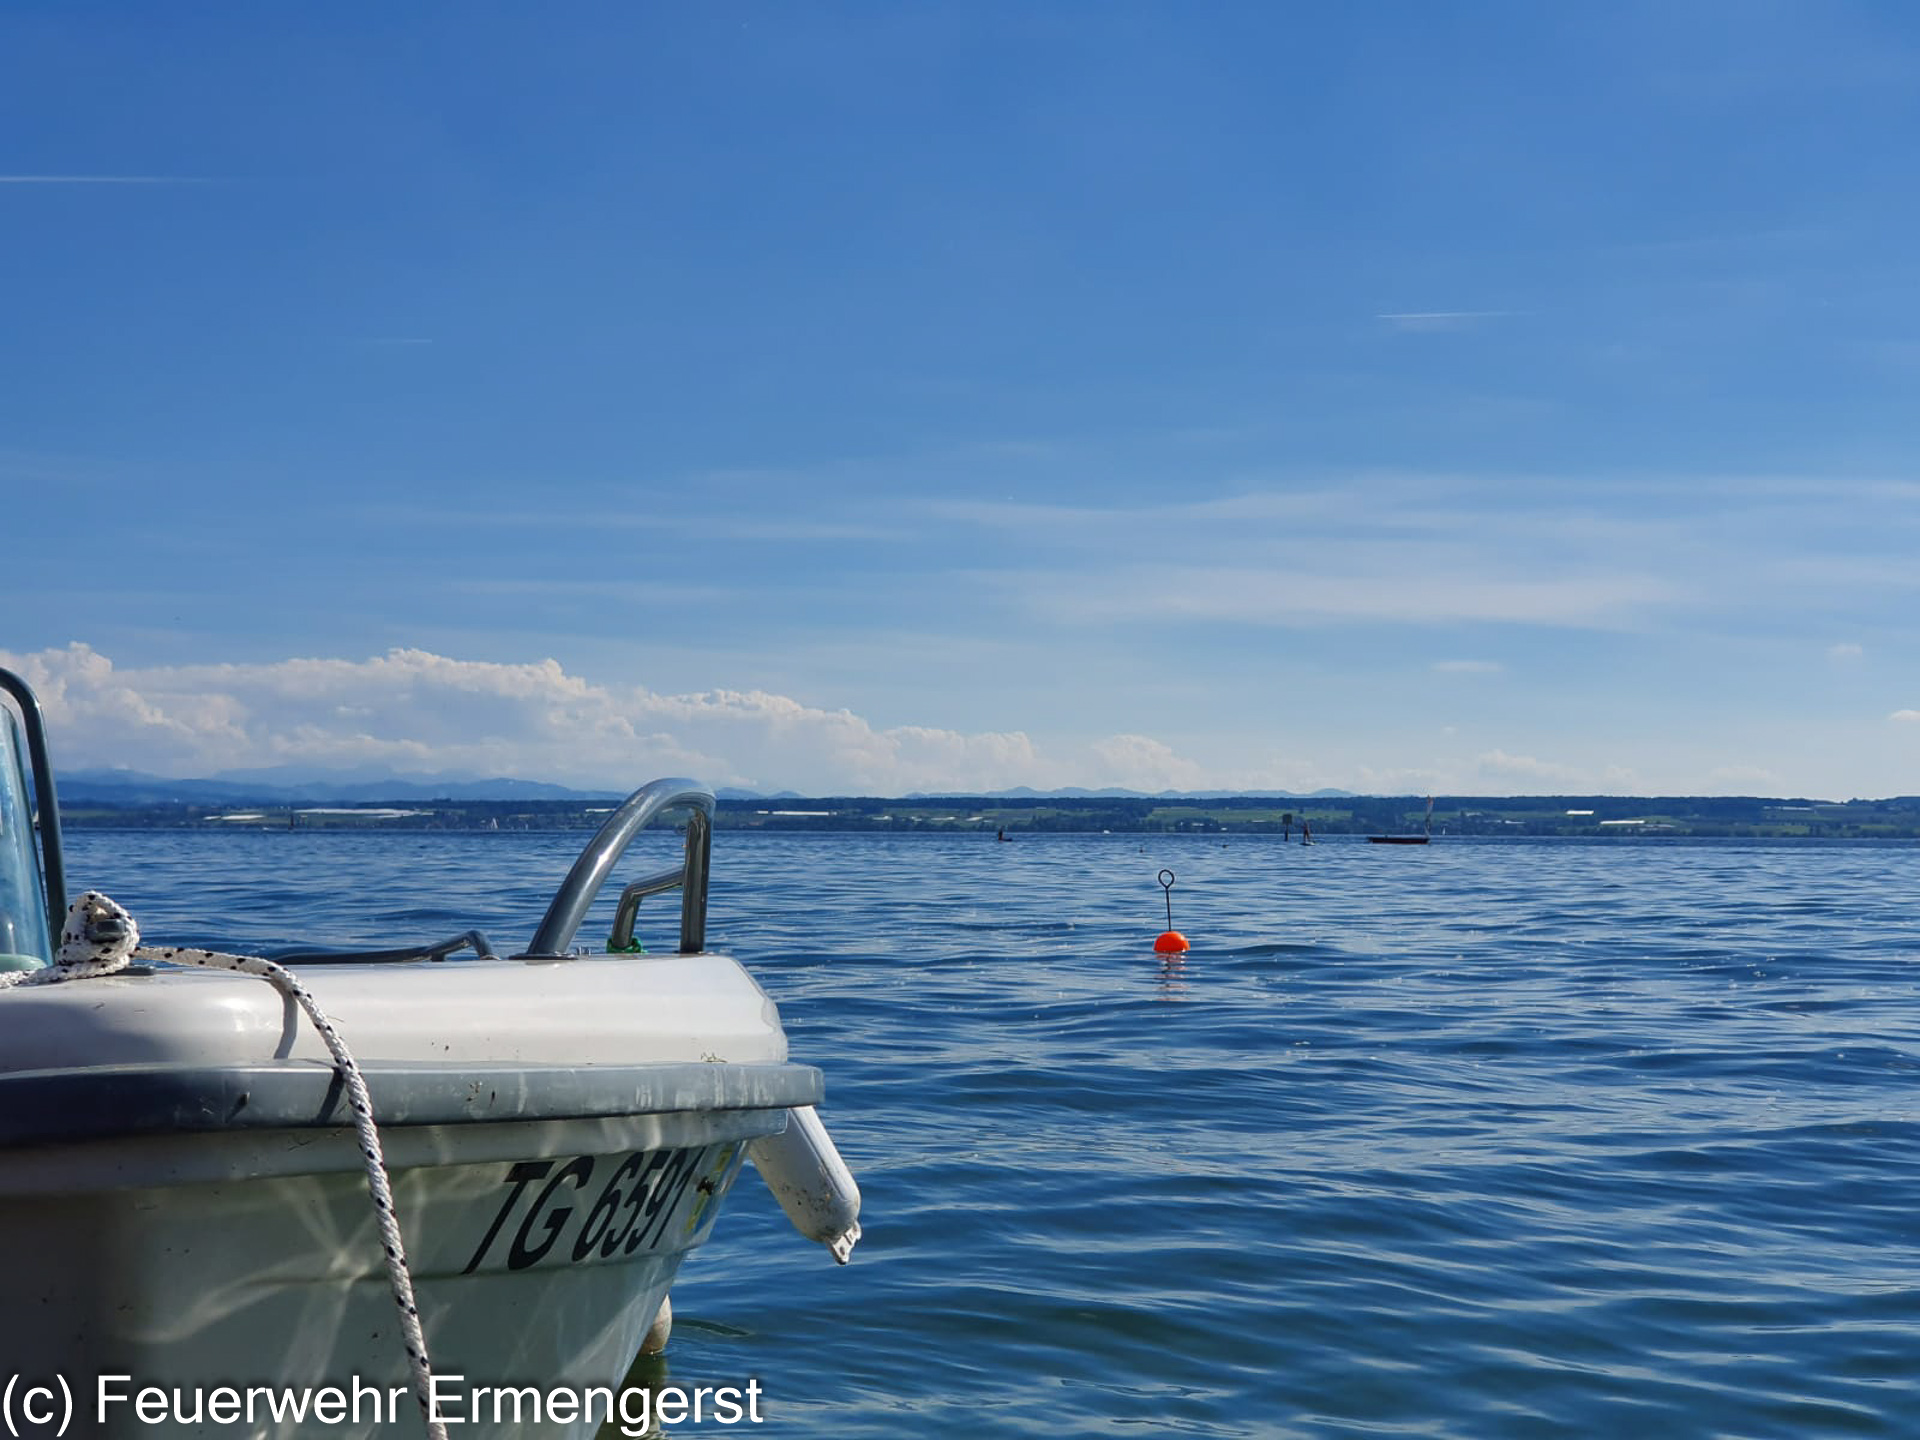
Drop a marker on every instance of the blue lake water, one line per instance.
(1476, 1140)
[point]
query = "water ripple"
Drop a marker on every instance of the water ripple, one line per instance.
(1489, 1140)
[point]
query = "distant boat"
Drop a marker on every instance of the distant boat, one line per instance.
(1425, 836)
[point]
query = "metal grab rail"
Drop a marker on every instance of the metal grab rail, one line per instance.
(628, 910)
(402, 955)
(554, 938)
(53, 869)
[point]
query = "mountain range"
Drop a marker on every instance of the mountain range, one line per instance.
(304, 785)
(288, 786)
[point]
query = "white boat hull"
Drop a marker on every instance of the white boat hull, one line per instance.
(195, 1234)
(199, 1224)
(542, 1272)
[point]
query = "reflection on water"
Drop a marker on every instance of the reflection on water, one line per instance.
(1173, 976)
(639, 1392)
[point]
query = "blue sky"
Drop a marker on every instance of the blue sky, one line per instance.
(1481, 397)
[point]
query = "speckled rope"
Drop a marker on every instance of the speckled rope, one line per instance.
(99, 938)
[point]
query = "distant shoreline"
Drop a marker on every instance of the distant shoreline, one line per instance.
(1566, 816)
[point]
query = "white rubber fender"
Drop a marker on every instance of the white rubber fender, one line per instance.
(661, 1330)
(811, 1181)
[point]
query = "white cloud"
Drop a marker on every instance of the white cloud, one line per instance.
(1373, 780)
(102, 180)
(415, 711)
(1374, 548)
(1496, 771)
(1691, 559)
(1137, 762)
(1742, 779)
(1525, 767)
(1905, 717)
(1428, 320)
(1291, 597)
(704, 525)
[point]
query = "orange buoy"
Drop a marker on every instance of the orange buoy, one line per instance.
(1171, 941)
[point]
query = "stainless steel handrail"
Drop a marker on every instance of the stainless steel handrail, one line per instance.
(53, 869)
(576, 894)
(628, 910)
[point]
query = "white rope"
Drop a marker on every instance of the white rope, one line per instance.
(100, 938)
